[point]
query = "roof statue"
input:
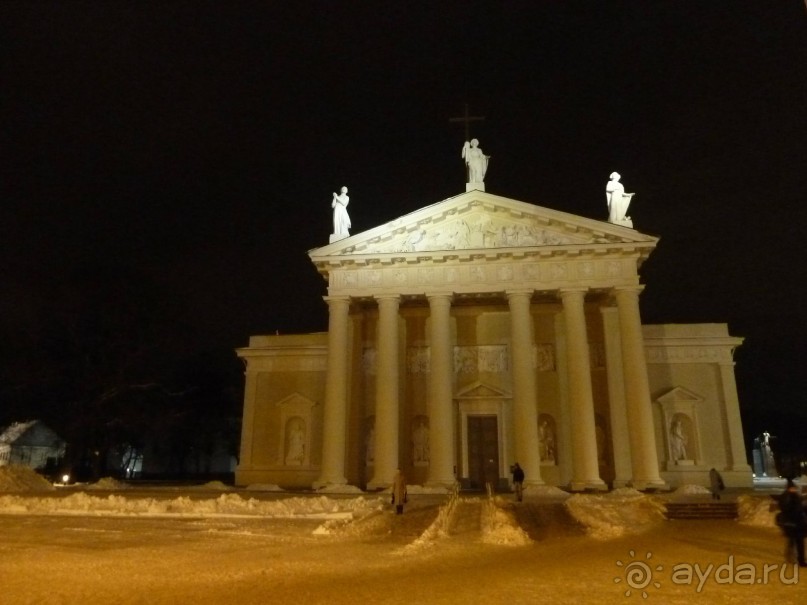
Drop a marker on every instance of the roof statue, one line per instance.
(477, 163)
(341, 219)
(618, 201)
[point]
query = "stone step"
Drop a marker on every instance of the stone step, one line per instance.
(701, 510)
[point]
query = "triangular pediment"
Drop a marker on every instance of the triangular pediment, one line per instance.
(480, 390)
(295, 401)
(479, 221)
(679, 395)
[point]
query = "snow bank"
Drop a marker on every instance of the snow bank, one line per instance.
(339, 489)
(691, 490)
(500, 528)
(107, 483)
(16, 478)
(225, 505)
(264, 487)
(757, 511)
(622, 511)
(546, 492)
(215, 486)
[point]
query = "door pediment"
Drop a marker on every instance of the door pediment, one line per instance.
(481, 390)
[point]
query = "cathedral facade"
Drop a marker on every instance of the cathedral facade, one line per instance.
(482, 331)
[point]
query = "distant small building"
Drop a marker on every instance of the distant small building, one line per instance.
(30, 444)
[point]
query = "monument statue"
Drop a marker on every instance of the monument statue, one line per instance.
(341, 220)
(296, 448)
(475, 160)
(678, 440)
(618, 201)
(420, 439)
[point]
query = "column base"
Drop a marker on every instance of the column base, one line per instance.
(650, 484)
(533, 483)
(378, 484)
(621, 483)
(447, 485)
(320, 483)
(591, 484)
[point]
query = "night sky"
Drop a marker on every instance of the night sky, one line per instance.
(193, 146)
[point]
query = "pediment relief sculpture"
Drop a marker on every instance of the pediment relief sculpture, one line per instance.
(480, 221)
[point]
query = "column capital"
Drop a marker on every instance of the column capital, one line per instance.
(519, 293)
(336, 299)
(438, 295)
(562, 292)
(388, 296)
(637, 288)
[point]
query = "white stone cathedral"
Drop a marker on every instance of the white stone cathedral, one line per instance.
(481, 331)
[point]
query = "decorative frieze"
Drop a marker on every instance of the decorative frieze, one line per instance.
(461, 274)
(483, 358)
(301, 363)
(688, 354)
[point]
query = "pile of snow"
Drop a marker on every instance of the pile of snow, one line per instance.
(108, 483)
(545, 492)
(500, 528)
(16, 478)
(225, 505)
(422, 489)
(757, 511)
(215, 486)
(339, 489)
(264, 487)
(691, 490)
(438, 528)
(622, 511)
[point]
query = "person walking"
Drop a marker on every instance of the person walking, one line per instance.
(518, 480)
(792, 519)
(716, 483)
(399, 491)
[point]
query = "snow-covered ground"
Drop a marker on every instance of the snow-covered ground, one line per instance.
(110, 543)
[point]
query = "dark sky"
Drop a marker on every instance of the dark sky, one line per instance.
(195, 145)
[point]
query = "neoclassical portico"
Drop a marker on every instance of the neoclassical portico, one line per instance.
(516, 257)
(469, 335)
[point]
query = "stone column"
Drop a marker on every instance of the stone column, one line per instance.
(731, 405)
(585, 471)
(620, 437)
(335, 410)
(563, 449)
(386, 399)
(525, 414)
(441, 430)
(641, 428)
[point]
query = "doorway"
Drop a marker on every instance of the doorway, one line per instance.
(483, 451)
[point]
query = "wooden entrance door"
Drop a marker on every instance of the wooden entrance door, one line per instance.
(483, 451)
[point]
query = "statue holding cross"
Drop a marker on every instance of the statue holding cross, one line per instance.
(475, 161)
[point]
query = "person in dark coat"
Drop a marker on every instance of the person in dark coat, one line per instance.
(518, 480)
(792, 518)
(716, 484)
(399, 491)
